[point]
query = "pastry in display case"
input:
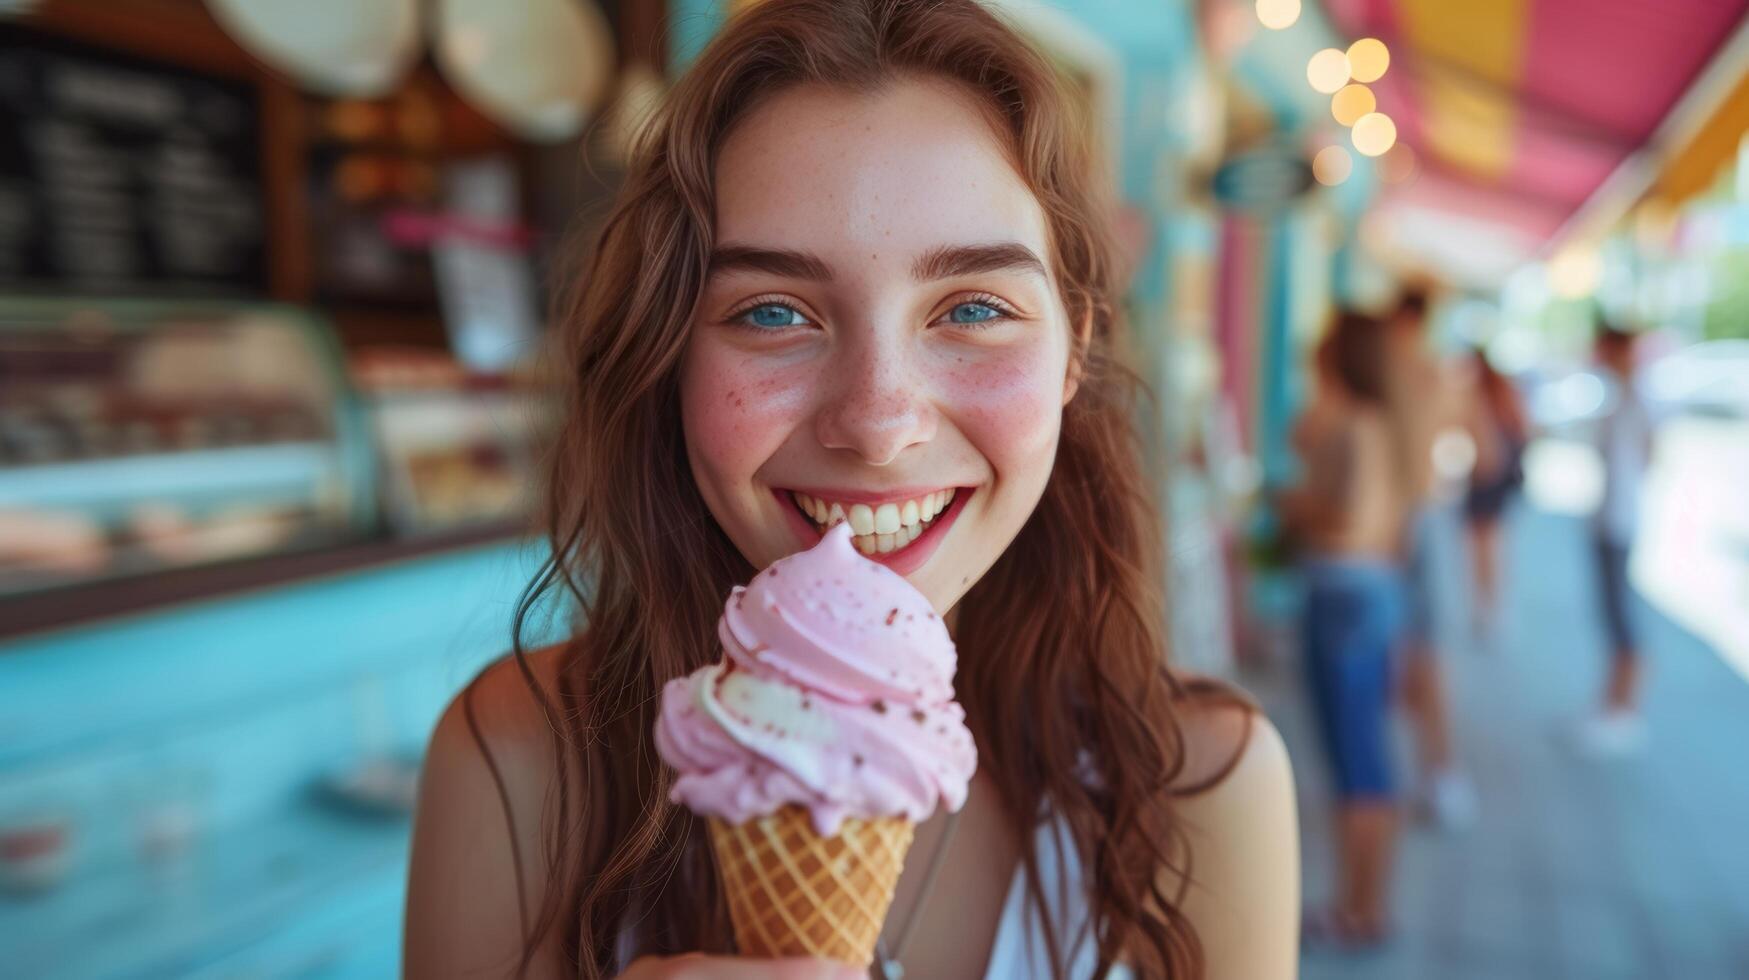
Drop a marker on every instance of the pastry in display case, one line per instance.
(141, 436)
(456, 447)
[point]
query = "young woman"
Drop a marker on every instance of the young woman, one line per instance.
(1498, 425)
(859, 258)
(1347, 516)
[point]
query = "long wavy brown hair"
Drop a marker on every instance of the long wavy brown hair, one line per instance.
(1062, 643)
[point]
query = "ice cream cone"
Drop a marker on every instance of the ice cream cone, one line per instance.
(792, 892)
(814, 747)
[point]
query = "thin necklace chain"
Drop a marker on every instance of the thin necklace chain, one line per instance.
(887, 964)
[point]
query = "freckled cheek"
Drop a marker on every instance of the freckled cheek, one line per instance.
(737, 411)
(1008, 404)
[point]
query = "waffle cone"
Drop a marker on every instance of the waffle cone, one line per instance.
(792, 892)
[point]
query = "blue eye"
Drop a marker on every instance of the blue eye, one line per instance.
(771, 316)
(973, 313)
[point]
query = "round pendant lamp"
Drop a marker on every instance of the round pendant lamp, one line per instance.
(540, 68)
(351, 48)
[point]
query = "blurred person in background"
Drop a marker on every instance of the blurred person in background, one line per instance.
(1419, 403)
(1500, 431)
(1624, 439)
(1346, 520)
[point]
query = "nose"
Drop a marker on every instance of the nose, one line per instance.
(874, 401)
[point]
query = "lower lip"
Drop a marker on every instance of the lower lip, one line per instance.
(902, 560)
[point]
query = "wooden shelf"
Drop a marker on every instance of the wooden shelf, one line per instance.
(74, 605)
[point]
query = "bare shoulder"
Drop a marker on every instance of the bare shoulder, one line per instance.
(501, 708)
(477, 873)
(496, 734)
(1369, 422)
(1242, 831)
(1233, 756)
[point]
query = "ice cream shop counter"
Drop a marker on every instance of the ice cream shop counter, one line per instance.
(241, 574)
(221, 787)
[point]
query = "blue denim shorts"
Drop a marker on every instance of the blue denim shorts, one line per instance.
(1616, 593)
(1352, 620)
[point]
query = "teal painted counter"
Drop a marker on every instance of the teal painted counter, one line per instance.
(229, 711)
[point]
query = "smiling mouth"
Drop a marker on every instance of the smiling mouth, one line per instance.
(877, 529)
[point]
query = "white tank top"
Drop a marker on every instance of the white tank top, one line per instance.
(1625, 440)
(1019, 952)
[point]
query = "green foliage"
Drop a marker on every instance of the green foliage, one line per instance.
(1727, 310)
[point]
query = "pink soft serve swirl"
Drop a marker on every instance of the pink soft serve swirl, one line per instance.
(835, 693)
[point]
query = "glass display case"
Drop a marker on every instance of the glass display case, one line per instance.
(142, 436)
(456, 448)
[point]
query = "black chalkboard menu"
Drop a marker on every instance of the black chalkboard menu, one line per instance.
(122, 175)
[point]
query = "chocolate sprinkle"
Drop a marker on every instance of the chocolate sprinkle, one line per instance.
(892, 616)
(919, 717)
(880, 707)
(856, 759)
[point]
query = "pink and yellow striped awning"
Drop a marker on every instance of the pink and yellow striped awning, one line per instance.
(1521, 108)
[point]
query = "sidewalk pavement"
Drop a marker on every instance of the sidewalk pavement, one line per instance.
(1576, 869)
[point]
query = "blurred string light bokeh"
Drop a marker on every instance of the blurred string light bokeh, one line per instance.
(1344, 75)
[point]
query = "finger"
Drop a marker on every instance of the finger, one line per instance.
(697, 966)
(813, 969)
(743, 968)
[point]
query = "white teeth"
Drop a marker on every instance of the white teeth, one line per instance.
(886, 519)
(814, 507)
(862, 519)
(883, 529)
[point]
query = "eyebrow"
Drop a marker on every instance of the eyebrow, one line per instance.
(943, 262)
(775, 261)
(950, 261)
